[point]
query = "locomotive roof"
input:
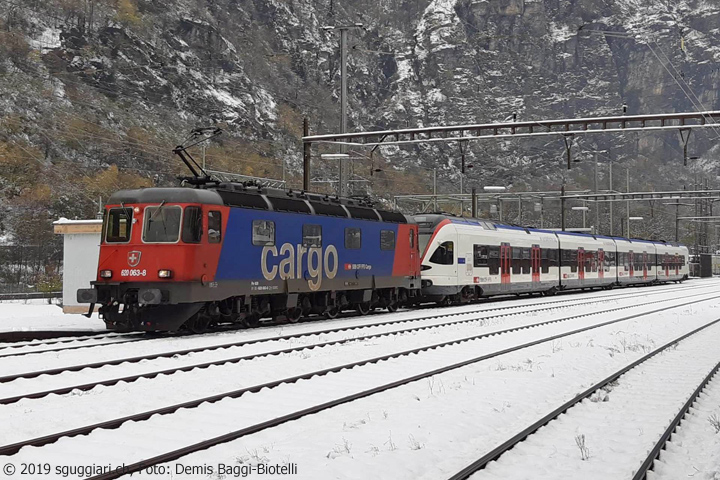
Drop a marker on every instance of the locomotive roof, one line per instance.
(168, 195)
(254, 197)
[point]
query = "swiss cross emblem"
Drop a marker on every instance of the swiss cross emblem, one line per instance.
(134, 258)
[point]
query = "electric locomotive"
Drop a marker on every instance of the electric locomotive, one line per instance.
(193, 257)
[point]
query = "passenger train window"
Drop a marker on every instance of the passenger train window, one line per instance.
(480, 256)
(214, 226)
(526, 260)
(444, 254)
(387, 240)
(192, 225)
(353, 238)
(162, 224)
(118, 225)
(263, 233)
(516, 260)
(312, 236)
(544, 261)
(494, 260)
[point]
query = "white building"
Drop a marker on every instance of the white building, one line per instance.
(81, 250)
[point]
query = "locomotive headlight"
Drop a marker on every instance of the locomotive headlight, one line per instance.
(165, 273)
(105, 273)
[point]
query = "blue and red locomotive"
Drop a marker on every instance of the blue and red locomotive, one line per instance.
(192, 257)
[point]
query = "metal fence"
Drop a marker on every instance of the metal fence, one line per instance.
(31, 268)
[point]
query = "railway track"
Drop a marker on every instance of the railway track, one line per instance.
(105, 339)
(417, 364)
(256, 336)
(626, 408)
(264, 353)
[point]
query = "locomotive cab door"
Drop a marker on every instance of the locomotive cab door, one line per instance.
(505, 256)
(581, 263)
(601, 263)
(535, 262)
(414, 254)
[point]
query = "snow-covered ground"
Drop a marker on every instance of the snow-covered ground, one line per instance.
(425, 429)
(27, 315)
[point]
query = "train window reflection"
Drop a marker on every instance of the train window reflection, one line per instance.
(444, 254)
(162, 224)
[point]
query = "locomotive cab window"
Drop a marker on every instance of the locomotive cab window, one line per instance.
(353, 238)
(312, 236)
(192, 225)
(263, 233)
(214, 226)
(444, 254)
(387, 239)
(162, 224)
(118, 225)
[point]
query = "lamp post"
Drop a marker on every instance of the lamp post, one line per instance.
(343, 91)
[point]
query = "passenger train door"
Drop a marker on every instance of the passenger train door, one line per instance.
(601, 263)
(581, 263)
(535, 262)
(631, 262)
(677, 264)
(505, 256)
(645, 266)
(666, 264)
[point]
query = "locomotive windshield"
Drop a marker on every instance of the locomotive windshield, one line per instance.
(162, 224)
(118, 225)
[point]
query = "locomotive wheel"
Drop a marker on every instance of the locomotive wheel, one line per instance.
(331, 312)
(363, 308)
(251, 321)
(200, 323)
(294, 315)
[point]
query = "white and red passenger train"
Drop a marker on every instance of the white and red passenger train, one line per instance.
(464, 258)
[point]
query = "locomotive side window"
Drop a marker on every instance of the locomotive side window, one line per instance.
(480, 256)
(444, 254)
(162, 224)
(119, 225)
(412, 239)
(312, 236)
(214, 226)
(353, 238)
(387, 239)
(192, 225)
(263, 233)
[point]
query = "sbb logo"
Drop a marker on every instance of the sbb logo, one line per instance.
(298, 261)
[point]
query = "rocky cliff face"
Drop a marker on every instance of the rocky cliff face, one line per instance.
(87, 84)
